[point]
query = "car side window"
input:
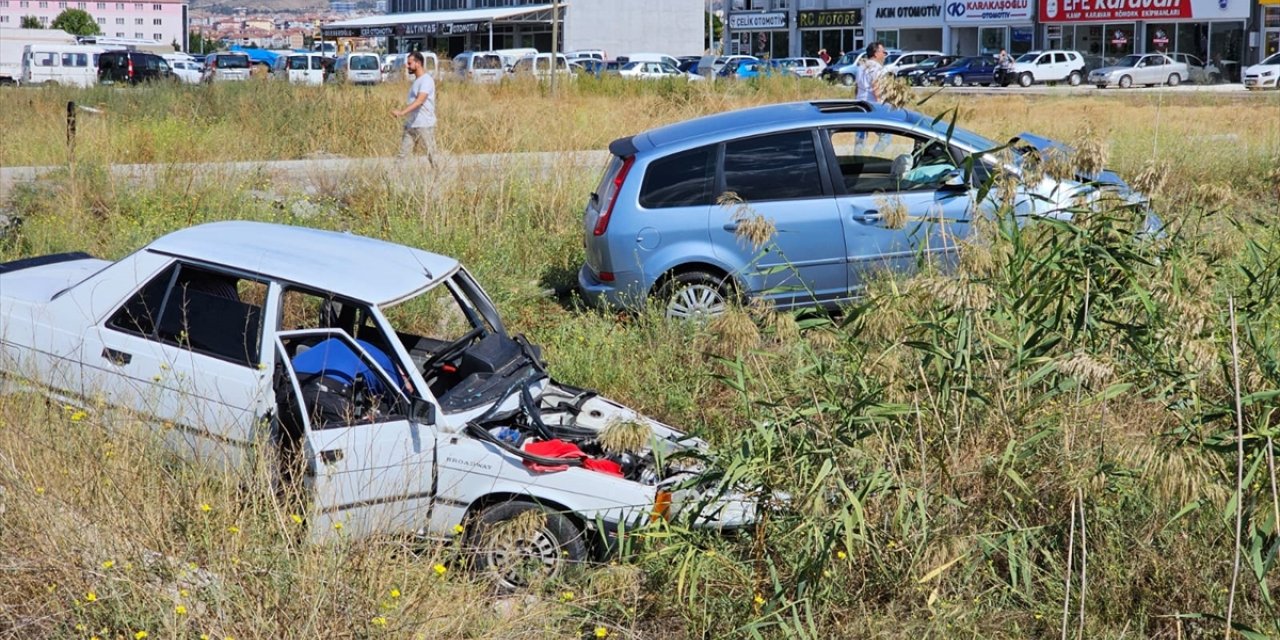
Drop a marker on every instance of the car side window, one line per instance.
(782, 166)
(682, 179)
(872, 163)
(208, 312)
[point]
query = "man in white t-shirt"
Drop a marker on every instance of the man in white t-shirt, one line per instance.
(420, 114)
(869, 88)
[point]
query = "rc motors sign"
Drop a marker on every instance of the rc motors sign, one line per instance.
(989, 11)
(906, 13)
(1129, 10)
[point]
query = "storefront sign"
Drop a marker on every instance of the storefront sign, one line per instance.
(421, 29)
(908, 13)
(757, 21)
(831, 19)
(339, 32)
(1130, 10)
(988, 11)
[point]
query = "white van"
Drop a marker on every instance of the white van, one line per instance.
(539, 66)
(479, 66)
(358, 68)
(393, 69)
(511, 56)
(73, 65)
(299, 68)
(225, 66)
(12, 43)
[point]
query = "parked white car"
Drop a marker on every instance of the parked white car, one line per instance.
(185, 68)
(539, 66)
(1049, 66)
(803, 67)
(1196, 68)
(1146, 69)
(721, 61)
(650, 57)
(74, 65)
(479, 66)
(220, 67)
(233, 335)
(893, 63)
(655, 71)
(1264, 75)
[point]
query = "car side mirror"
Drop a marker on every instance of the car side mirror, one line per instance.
(421, 411)
(954, 181)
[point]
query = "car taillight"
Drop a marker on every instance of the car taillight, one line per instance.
(130, 67)
(605, 276)
(602, 223)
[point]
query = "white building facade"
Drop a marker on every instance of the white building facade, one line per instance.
(164, 21)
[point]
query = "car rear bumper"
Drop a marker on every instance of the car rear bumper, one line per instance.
(623, 293)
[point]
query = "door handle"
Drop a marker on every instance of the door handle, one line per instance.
(116, 357)
(871, 216)
(331, 456)
(730, 227)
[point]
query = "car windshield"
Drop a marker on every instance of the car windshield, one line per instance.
(892, 58)
(297, 63)
(1273, 60)
(486, 62)
(932, 62)
(1128, 61)
(631, 66)
(364, 63)
(232, 62)
(1028, 57)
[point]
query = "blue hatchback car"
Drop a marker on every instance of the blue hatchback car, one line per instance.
(823, 173)
(973, 70)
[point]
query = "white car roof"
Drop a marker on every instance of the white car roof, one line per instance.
(355, 267)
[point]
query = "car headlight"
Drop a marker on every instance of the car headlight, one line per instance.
(1268, 74)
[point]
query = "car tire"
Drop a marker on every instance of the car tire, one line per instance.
(1074, 79)
(847, 80)
(1025, 80)
(1174, 80)
(1125, 82)
(695, 295)
(957, 80)
(516, 563)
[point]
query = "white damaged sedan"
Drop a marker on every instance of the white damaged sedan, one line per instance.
(381, 376)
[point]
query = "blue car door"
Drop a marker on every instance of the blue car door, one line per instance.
(776, 178)
(895, 203)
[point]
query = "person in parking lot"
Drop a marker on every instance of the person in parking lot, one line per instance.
(420, 114)
(1004, 65)
(824, 56)
(869, 79)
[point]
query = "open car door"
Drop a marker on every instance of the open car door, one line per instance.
(367, 467)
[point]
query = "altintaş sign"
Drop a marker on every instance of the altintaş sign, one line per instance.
(758, 21)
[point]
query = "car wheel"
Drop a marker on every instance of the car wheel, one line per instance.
(515, 555)
(1074, 79)
(957, 80)
(1025, 80)
(1126, 82)
(847, 80)
(1174, 80)
(695, 295)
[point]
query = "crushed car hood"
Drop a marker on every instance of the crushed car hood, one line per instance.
(1043, 144)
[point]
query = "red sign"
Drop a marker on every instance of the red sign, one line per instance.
(1113, 10)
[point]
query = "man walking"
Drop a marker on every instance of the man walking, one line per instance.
(420, 114)
(869, 88)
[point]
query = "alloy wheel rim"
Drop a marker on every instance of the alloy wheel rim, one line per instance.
(696, 301)
(518, 560)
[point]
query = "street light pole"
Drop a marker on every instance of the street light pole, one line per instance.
(555, 46)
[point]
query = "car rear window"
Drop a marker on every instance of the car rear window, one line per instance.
(679, 180)
(782, 166)
(364, 63)
(231, 62)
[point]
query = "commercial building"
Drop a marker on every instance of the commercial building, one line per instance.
(778, 28)
(984, 27)
(160, 20)
(450, 27)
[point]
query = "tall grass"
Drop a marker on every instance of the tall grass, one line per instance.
(957, 448)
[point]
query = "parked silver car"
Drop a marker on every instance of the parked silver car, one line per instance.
(1148, 69)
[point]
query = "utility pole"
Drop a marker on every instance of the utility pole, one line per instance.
(555, 44)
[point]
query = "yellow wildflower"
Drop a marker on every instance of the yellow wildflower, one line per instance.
(78, 416)
(602, 632)
(759, 599)
(439, 569)
(39, 491)
(183, 592)
(566, 596)
(206, 508)
(233, 529)
(395, 593)
(91, 597)
(457, 528)
(140, 635)
(842, 555)
(379, 621)
(180, 610)
(297, 519)
(107, 564)
(337, 526)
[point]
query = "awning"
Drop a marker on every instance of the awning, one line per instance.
(435, 23)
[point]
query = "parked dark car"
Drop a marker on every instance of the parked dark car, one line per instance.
(132, 67)
(914, 74)
(973, 70)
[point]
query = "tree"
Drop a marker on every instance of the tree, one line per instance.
(31, 22)
(76, 22)
(197, 43)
